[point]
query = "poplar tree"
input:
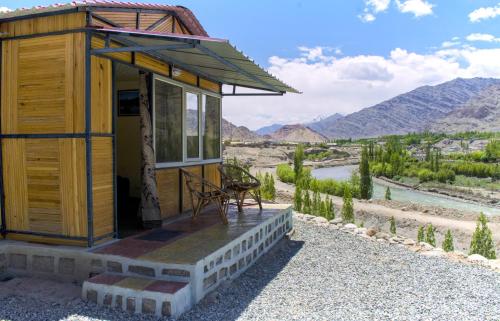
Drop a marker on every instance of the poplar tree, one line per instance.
(388, 193)
(448, 242)
(297, 199)
(347, 207)
(366, 184)
(393, 225)
(429, 237)
(298, 161)
(482, 239)
(307, 203)
(421, 234)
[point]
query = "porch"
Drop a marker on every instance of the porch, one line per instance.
(164, 271)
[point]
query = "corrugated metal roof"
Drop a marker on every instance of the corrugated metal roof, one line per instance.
(186, 16)
(214, 59)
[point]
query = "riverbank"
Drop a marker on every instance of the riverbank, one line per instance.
(409, 216)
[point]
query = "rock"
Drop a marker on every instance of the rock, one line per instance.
(361, 230)
(333, 227)
(350, 226)
(409, 242)
(476, 258)
(382, 235)
(494, 264)
(309, 217)
(371, 231)
(336, 220)
(320, 220)
(298, 216)
(435, 252)
(460, 254)
(425, 246)
(397, 239)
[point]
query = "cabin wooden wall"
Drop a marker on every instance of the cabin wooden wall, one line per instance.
(43, 111)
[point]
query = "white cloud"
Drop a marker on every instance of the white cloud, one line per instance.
(482, 37)
(449, 44)
(346, 84)
(372, 7)
(417, 7)
(484, 13)
(4, 9)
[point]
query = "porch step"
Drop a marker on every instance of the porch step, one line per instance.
(139, 295)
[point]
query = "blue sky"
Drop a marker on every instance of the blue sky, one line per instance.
(346, 55)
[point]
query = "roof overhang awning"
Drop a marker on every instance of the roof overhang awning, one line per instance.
(214, 59)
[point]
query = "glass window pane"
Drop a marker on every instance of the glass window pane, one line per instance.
(192, 126)
(168, 120)
(211, 127)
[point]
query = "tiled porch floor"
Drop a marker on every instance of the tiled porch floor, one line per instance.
(189, 241)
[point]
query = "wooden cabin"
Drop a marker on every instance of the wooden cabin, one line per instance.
(70, 125)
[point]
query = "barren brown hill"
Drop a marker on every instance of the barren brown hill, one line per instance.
(298, 134)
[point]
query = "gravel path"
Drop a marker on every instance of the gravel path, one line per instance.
(323, 274)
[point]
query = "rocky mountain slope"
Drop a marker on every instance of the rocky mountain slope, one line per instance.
(238, 133)
(414, 111)
(324, 124)
(297, 133)
(481, 113)
(268, 130)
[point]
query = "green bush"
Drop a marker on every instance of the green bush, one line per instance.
(393, 225)
(297, 199)
(425, 175)
(306, 207)
(347, 206)
(448, 242)
(445, 175)
(429, 237)
(482, 239)
(285, 173)
(421, 234)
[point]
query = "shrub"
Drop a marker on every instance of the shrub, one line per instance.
(482, 239)
(421, 234)
(393, 225)
(429, 237)
(267, 189)
(285, 173)
(307, 203)
(297, 199)
(445, 175)
(330, 215)
(448, 242)
(425, 175)
(347, 207)
(388, 193)
(316, 203)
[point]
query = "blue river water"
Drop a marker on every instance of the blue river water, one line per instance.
(404, 194)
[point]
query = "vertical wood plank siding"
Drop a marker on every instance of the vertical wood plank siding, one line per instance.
(44, 24)
(102, 179)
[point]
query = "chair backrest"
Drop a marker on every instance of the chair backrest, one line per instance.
(194, 182)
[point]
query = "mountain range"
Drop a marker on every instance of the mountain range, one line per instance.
(456, 105)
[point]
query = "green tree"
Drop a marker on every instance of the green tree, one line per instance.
(388, 193)
(421, 234)
(329, 215)
(271, 190)
(347, 207)
(429, 237)
(307, 203)
(393, 225)
(366, 184)
(298, 161)
(324, 211)
(297, 199)
(448, 242)
(316, 203)
(482, 239)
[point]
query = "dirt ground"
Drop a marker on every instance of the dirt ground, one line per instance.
(48, 291)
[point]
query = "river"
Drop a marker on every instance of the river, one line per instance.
(405, 194)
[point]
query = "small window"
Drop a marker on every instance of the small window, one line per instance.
(168, 122)
(192, 126)
(211, 127)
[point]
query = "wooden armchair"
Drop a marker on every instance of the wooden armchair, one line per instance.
(202, 193)
(238, 182)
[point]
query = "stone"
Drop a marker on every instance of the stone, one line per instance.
(43, 264)
(18, 261)
(141, 270)
(382, 235)
(460, 254)
(308, 217)
(350, 226)
(434, 252)
(92, 296)
(209, 281)
(166, 309)
(408, 242)
(361, 230)
(131, 304)
(476, 258)
(108, 299)
(148, 306)
(425, 246)
(397, 239)
(336, 220)
(298, 216)
(333, 227)
(371, 231)
(114, 267)
(320, 220)
(177, 272)
(66, 266)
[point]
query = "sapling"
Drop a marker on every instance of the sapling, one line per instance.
(448, 242)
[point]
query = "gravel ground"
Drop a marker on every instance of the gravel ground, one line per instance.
(322, 274)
